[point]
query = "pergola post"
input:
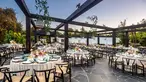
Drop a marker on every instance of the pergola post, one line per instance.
(28, 41)
(87, 39)
(49, 39)
(35, 36)
(39, 37)
(114, 38)
(55, 39)
(98, 39)
(66, 37)
(126, 39)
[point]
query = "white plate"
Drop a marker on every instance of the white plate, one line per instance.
(53, 59)
(18, 57)
(26, 62)
(41, 62)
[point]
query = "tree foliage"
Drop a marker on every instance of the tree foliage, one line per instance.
(121, 35)
(134, 37)
(94, 20)
(42, 7)
(10, 28)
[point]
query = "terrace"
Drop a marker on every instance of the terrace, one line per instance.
(80, 62)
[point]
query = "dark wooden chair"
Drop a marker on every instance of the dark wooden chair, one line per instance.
(90, 60)
(2, 69)
(115, 62)
(128, 63)
(62, 71)
(142, 66)
(16, 76)
(44, 75)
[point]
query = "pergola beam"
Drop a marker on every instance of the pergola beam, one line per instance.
(71, 22)
(82, 9)
(133, 30)
(105, 30)
(23, 7)
(68, 30)
(131, 27)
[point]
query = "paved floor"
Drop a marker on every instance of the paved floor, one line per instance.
(101, 72)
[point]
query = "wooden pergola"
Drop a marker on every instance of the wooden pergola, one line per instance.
(69, 20)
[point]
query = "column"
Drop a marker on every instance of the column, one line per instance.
(126, 39)
(114, 38)
(87, 39)
(28, 41)
(55, 39)
(98, 39)
(49, 39)
(66, 37)
(35, 36)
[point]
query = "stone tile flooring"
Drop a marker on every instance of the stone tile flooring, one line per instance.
(101, 72)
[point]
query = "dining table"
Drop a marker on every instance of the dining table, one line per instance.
(135, 56)
(78, 55)
(40, 63)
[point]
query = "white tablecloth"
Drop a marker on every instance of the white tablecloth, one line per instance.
(19, 66)
(78, 54)
(136, 57)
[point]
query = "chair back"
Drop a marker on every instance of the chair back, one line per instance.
(143, 62)
(45, 73)
(9, 74)
(64, 65)
(128, 61)
(2, 69)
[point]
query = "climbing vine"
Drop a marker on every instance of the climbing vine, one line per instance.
(42, 7)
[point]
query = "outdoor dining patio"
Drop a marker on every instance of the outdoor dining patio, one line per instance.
(47, 60)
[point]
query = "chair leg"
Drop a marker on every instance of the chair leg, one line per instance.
(70, 76)
(132, 69)
(63, 78)
(94, 60)
(81, 62)
(143, 71)
(74, 61)
(109, 61)
(123, 68)
(115, 65)
(54, 78)
(136, 69)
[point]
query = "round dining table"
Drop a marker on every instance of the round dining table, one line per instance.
(78, 55)
(17, 64)
(135, 56)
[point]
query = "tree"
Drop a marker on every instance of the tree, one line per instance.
(121, 35)
(83, 31)
(94, 20)
(70, 33)
(10, 29)
(8, 19)
(19, 27)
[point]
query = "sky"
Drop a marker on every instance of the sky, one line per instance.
(109, 12)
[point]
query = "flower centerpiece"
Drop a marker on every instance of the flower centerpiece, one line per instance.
(78, 49)
(12, 42)
(132, 51)
(37, 53)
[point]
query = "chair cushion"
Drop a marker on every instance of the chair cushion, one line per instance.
(42, 78)
(1, 75)
(63, 69)
(140, 65)
(17, 78)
